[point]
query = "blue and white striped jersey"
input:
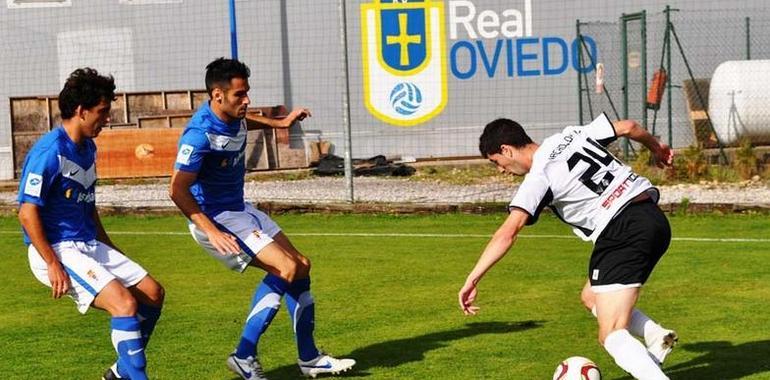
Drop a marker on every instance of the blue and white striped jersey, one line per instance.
(59, 177)
(215, 150)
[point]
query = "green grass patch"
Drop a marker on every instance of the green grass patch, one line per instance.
(390, 302)
(472, 173)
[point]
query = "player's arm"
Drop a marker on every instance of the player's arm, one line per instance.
(179, 191)
(101, 233)
(29, 217)
(286, 122)
(629, 128)
(497, 247)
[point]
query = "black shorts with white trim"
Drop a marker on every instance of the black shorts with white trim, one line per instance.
(630, 246)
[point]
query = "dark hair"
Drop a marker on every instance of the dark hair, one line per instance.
(502, 132)
(222, 70)
(86, 88)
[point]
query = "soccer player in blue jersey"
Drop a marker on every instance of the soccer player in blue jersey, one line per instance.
(69, 249)
(207, 185)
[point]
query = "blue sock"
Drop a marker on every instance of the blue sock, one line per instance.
(127, 340)
(301, 308)
(148, 316)
(264, 306)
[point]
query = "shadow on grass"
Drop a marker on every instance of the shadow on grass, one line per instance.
(394, 353)
(722, 360)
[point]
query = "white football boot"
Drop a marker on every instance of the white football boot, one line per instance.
(248, 368)
(324, 363)
(661, 345)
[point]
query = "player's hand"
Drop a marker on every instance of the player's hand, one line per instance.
(664, 156)
(298, 114)
(224, 243)
(59, 279)
(466, 297)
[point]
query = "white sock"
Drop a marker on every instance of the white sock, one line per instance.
(641, 325)
(632, 356)
(644, 327)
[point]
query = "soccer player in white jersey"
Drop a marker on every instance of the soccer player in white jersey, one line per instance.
(584, 185)
(69, 249)
(207, 185)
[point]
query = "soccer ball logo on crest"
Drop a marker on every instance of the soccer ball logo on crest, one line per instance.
(406, 98)
(577, 368)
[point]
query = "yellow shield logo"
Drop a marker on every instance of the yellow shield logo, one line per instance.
(404, 60)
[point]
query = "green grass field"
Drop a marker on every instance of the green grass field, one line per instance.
(389, 301)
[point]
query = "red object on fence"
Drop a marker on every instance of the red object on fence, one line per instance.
(658, 86)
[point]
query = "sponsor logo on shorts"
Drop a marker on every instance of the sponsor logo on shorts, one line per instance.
(92, 274)
(257, 234)
(595, 275)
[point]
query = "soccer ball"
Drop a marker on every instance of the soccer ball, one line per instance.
(577, 368)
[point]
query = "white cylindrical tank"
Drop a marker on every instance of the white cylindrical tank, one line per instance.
(739, 101)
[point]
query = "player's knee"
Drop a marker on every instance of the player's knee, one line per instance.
(124, 304)
(588, 298)
(289, 270)
(157, 296)
(303, 267)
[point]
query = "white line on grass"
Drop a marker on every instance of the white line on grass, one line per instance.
(428, 235)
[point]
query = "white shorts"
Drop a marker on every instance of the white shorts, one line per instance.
(252, 228)
(91, 266)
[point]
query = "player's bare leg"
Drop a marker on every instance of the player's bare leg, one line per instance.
(149, 295)
(659, 340)
(287, 264)
(614, 311)
(283, 241)
(149, 292)
(126, 331)
(283, 259)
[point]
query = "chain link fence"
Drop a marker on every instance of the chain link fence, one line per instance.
(408, 80)
(710, 92)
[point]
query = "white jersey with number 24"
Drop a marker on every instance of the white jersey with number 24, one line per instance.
(579, 180)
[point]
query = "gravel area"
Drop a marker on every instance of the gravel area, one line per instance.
(390, 190)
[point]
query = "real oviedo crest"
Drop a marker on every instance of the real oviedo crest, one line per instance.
(404, 60)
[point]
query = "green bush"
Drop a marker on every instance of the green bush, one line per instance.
(746, 163)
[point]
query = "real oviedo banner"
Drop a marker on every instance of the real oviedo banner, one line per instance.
(410, 47)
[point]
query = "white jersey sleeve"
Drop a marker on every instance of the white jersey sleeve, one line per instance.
(533, 195)
(600, 130)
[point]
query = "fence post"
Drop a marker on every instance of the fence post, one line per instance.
(748, 38)
(670, 76)
(233, 32)
(644, 69)
(346, 103)
(624, 60)
(579, 77)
